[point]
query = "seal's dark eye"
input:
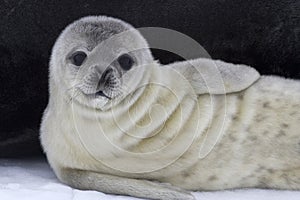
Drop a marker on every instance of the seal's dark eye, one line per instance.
(78, 57)
(125, 61)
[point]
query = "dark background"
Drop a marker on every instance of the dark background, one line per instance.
(261, 33)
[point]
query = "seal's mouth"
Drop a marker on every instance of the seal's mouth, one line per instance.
(101, 93)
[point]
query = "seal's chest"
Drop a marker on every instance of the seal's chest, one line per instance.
(149, 135)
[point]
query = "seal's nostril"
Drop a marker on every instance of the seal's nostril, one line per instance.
(107, 72)
(105, 75)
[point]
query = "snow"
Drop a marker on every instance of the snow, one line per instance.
(33, 179)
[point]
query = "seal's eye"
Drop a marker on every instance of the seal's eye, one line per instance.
(78, 57)
(125, 61)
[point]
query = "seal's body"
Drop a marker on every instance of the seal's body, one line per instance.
(168, 126)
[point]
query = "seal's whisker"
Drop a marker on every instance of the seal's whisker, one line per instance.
(73, 87)
(74, 95)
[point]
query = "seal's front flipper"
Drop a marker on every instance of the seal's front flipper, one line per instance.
(87, 180)
(215, 76)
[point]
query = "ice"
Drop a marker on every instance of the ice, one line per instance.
(33, 179)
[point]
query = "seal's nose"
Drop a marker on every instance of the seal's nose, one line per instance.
(103, 81)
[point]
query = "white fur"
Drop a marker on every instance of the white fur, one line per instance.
(244, 134)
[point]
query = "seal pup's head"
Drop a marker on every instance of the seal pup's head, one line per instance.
(91, 58)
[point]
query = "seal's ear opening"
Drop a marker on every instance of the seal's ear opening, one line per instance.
(215, 76)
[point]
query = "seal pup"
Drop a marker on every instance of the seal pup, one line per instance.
(119, 122)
